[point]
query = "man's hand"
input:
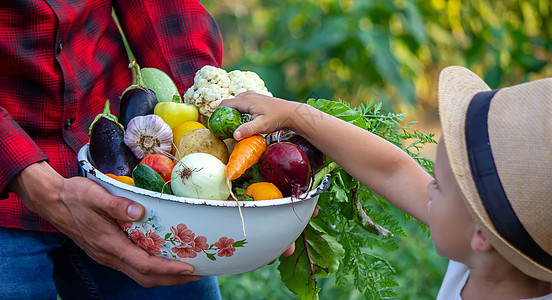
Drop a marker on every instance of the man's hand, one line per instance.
(87, 213)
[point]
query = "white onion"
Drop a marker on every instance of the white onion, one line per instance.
(200, 175)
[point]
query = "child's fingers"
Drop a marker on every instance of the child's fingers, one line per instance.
(289, 251)
(248, 129)
(315, 212)
(266, 113)
(234, 103)
(241, 102)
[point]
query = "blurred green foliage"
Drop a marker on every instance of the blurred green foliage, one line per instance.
(388, 50)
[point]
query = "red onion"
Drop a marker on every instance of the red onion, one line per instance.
(286, 166)
(316, 158)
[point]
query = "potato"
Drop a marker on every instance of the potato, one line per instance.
(203, 141)
(230, 144)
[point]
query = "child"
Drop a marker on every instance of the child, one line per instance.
(489, 207)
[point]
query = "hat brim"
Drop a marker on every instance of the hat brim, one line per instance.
(457, 87)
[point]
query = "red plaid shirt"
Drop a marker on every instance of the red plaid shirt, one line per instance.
(61, 59)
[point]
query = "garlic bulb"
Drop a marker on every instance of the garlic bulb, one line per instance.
(147, 135)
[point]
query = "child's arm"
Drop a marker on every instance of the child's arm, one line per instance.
(380, 165)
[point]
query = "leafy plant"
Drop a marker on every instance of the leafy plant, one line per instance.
(352, 216)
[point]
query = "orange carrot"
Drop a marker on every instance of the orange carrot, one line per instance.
(246, 153)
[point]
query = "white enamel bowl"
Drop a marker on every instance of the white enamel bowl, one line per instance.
(208, 234)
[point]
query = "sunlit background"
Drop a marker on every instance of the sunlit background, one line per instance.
(391, 51)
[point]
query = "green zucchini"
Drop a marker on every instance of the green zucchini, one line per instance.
(145, 177)
(161, 83)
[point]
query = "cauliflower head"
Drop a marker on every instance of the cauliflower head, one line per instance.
(212, 85)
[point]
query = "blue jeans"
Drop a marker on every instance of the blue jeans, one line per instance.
(38, 265)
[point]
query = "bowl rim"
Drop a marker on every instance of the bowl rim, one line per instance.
(87, 167)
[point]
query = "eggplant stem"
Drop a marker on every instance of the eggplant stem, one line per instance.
(108, 115)
(130, 55)
(137, 73)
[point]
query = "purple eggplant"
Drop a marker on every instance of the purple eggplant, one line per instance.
(316, 157)
(137, 99)
(107, 149)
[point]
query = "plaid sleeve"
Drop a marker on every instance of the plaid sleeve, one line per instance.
(17, 151)
(178, 37)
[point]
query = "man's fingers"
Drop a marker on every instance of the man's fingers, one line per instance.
(156, 271)
(153, 265)
(123, 209)
(149, 270)
(93, 196)
(132, 257)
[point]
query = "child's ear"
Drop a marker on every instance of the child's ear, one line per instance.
(479, 242)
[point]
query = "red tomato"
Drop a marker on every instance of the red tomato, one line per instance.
(161, 164)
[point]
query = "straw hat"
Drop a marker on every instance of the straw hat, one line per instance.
(500, 148)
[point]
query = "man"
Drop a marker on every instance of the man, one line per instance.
(60, 61)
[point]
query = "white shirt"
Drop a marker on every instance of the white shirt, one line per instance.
(455, 280)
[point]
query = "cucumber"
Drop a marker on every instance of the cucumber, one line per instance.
(145, 177)
(225, 120)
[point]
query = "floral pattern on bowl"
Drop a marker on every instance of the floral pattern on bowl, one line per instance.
(179, 242)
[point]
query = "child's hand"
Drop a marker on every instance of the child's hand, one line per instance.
(268, 114)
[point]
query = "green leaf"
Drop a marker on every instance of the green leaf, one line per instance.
(316, 254)
(342, 183)
(239, 243)
(340, 110)
(346, 210)
(253, 176)
(340, 195)
(348, 182)
(211, 256)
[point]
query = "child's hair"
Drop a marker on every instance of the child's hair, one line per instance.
(499, 143)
